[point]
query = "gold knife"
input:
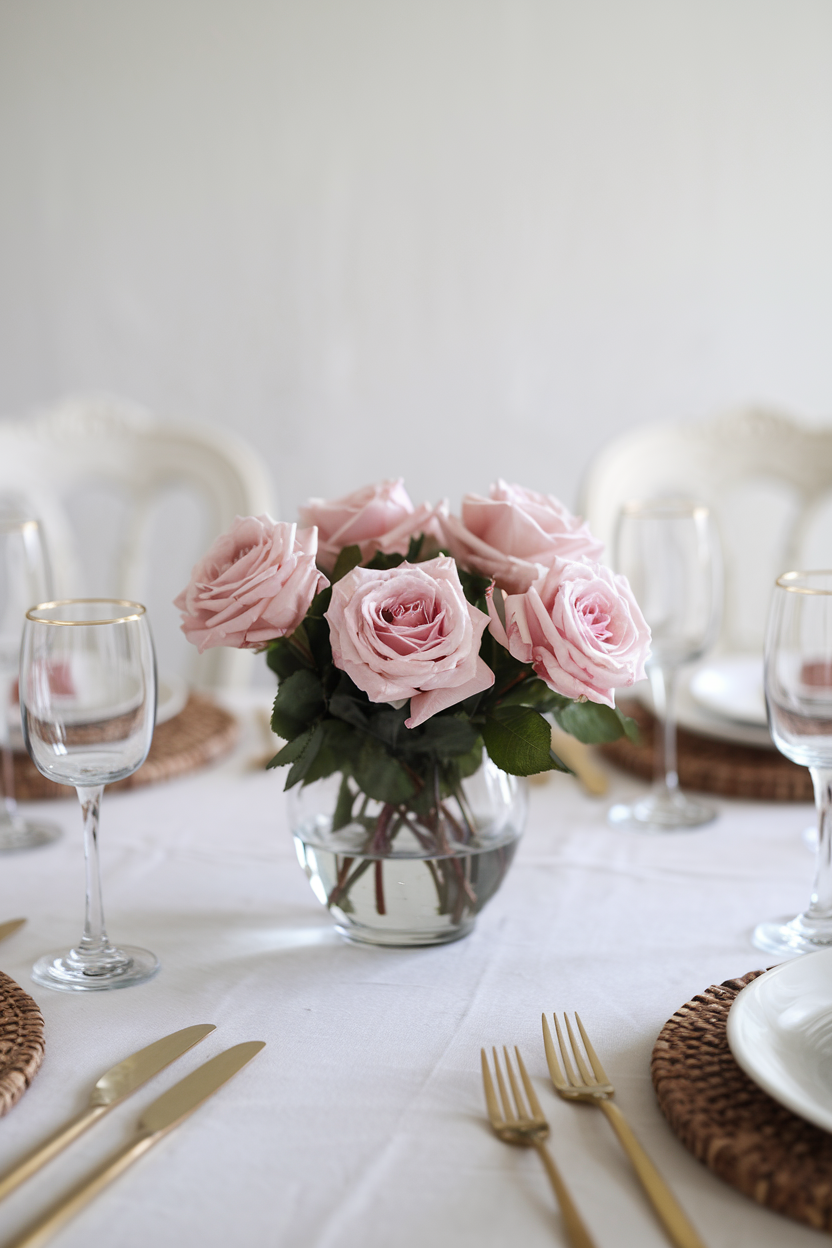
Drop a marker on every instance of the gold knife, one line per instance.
(159, 1118)
(9, 929)
(112, 1087)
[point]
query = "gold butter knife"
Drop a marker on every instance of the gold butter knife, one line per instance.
(9, 929)
(112, 1087)
(156, 1121)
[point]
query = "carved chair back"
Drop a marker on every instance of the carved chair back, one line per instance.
(128, 503)
(768, 480)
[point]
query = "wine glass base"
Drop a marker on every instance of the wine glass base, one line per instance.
(21, 834)
(66, 972)
(789, 938)
(661, 812)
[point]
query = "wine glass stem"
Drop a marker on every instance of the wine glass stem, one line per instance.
(663, 686)
(821, 903)
(94, 940)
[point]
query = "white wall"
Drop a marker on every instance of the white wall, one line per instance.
(443, 238)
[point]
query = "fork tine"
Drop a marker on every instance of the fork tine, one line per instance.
(570, 1074)
(600, 1074)
(551, 1056)
(515, 1089)
(508, 1112)
(493, 1108)
(531, 1095)
(579, 1057)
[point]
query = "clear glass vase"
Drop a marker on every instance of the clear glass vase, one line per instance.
(412, 873)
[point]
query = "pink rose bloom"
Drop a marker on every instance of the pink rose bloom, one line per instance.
(580, 628)
(411, 633)
(377, 517)
(515, 535)
(255, 584)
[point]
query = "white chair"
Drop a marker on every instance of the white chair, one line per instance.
(129, 502)
(768, 480)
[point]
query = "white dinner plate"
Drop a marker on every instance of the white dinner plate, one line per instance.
(780, 1032)
(732, 685)
(171, 696)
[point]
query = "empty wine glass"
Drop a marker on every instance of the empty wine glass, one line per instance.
(88, 699)
(669, 551)
(798, 684)
(24, 580)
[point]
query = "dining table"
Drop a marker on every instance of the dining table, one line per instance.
(362, 1122)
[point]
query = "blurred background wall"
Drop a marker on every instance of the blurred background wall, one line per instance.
(448, 239)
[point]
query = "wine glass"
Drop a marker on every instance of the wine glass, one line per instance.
(24, 579)
(798, 684)
(669, 551)
(88, 699)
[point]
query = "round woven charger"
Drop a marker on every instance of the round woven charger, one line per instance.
(199, 735)
(727, 1122)
(21, 1042)
(710, 766)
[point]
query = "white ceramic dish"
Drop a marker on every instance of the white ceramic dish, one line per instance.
(691, 714)
(172, 694)
(780, 1032)
(732, 686)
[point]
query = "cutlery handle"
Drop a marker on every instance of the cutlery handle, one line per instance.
(50, 1148)
(38, 1232)
(576, 1232)
(673, 1218)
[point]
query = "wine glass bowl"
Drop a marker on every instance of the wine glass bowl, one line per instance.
(669, 551)
(798, 687)
(88, 703)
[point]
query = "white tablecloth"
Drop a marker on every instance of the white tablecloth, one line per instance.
(361, 1125)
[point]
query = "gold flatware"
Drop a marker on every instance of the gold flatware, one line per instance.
(9, 929)
(594, 1088)
(157, 1120)
(525, 1124)
(114, 1086)
(578, 757)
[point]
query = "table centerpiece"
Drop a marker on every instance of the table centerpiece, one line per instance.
(417, 654)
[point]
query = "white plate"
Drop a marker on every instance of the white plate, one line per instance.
(780, 1032)
(691, 714)
(171, 696)
(732, 686)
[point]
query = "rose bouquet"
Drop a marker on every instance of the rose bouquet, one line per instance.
(413, 648)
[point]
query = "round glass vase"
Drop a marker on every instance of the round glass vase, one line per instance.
(413, 873)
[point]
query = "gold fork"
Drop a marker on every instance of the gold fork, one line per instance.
(528, 1127)
(595, 1088)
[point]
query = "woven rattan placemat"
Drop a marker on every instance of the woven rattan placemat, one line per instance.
(711, 766)
(21, 1042)
(727, 1122)
(201, 733)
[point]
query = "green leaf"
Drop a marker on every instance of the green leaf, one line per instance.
(337, 751)
(291, 752)
(284, 657)
(343, 807)
(299, 702)
(381, 776)
(299, 770)
(414, 548)
(519, 740)
(443, 736)
(474, 587)
(591, 722)
(349, 558)
(317, 631)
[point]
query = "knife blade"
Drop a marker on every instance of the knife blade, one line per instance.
(9, 929)
(113, 1086)
(155, 1123)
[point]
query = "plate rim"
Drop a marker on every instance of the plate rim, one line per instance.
(804, 1108)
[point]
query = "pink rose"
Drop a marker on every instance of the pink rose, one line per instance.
(580, 628)
(411, 633)
(516, 535)
(377, 517)
(255, 583)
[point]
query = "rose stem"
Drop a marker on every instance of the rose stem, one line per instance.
(337, 893)
(456, 865)
(380, 907)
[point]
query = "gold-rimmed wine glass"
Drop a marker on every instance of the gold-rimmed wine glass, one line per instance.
(798, 685)
(669, 551)
(88, 703)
